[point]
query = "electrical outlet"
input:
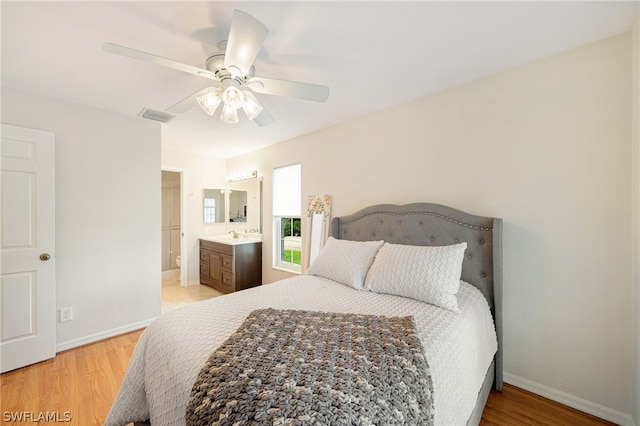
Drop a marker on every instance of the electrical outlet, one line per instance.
(66, 314)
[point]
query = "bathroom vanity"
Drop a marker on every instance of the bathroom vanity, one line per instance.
(230, 264)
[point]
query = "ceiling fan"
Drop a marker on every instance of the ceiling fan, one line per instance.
(233, 75)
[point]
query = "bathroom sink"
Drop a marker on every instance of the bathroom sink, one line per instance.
(243, 238)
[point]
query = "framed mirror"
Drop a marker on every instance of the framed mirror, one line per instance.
(244, 203)
(214, 202)
(237, 206)
(319, 212)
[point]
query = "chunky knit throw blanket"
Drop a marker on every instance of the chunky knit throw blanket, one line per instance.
(287, 367)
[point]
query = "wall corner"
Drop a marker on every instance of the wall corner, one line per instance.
(635, 225)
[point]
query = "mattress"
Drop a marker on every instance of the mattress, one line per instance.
(173, 349)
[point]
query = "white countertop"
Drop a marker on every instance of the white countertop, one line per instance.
(228, 239)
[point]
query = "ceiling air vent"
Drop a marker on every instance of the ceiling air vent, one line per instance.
(160, 116)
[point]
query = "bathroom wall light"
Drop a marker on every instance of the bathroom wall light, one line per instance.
(242, 175)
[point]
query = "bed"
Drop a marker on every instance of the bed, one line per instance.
(372, 257)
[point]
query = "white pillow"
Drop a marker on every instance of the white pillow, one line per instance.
(430, 274)
(345, 261)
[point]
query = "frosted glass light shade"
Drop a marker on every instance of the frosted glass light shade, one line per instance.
(251, 106)
(229, 115)
(232, 97)
(210, 101)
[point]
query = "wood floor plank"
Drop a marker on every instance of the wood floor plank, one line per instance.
(85, 381)
(514, 406)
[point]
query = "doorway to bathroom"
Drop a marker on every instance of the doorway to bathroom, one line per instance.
(172, 227)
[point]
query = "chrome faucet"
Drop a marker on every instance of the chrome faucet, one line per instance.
(234, 233)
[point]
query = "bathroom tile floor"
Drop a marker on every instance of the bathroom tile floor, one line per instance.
(174, 296)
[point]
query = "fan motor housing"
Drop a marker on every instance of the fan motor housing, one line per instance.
(215, 64)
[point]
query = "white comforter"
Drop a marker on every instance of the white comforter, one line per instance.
(173, 349)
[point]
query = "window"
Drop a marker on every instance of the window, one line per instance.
(209, 210)
(287, 237)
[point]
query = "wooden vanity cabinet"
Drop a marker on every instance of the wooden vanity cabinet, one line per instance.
(230, 268)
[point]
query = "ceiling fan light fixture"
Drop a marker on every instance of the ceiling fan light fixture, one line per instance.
(210, 101)
(251, 106)
(232, 69)
(229, 114)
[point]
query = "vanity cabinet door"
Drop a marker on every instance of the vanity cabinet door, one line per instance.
(215, 266)
(214, 271)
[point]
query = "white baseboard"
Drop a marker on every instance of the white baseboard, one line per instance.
(70, 344)
(171, 274)
(569, 400)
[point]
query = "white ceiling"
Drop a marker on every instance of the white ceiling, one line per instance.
(372, 55)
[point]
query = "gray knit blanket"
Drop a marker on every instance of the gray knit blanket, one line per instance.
(287, 367)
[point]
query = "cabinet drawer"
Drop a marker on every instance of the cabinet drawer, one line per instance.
(227, 262)
(222, 248)
(204, 270)
(204, 256)
(227, 280)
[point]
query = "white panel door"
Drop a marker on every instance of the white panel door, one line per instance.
(27, 273)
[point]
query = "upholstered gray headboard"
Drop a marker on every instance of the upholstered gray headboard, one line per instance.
(426, 224)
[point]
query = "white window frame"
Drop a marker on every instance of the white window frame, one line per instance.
(287, 204)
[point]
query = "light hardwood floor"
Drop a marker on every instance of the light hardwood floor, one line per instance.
(84, 381)
(81, 383)
(514, 406)
(175, 296)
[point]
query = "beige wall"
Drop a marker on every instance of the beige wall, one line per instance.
(546, 147)
(107, 214)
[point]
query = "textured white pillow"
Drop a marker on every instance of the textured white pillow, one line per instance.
(430, 274)
(345, 261)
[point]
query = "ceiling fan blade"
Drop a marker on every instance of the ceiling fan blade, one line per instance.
(155, 59)
(245, 41)
(264, 118)
(187, 103)
(293, 89)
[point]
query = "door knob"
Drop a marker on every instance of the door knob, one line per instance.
(45, 256)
